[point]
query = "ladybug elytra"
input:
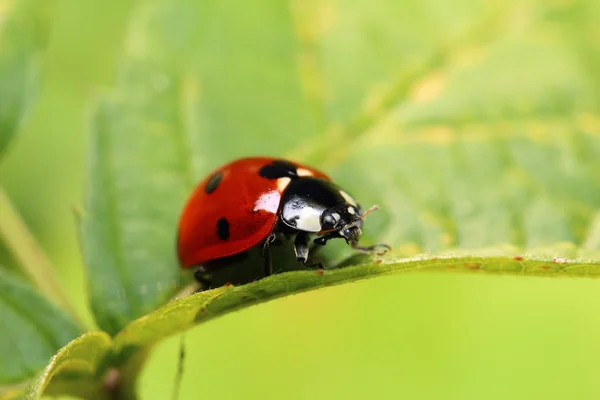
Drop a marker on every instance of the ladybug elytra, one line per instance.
(251, 202)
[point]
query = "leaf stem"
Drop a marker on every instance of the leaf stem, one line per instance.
(29, 255)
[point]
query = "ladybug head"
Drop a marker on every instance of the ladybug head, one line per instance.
(345, 219)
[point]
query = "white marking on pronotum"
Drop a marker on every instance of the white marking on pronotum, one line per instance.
(348, 198)
(336, 216)
(309, 220)
(282, 183)
(303, 172)
(351, 210)
(268, 201)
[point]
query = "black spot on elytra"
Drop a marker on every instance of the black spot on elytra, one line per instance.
(223, 228)
(213, 182)
(278, 169)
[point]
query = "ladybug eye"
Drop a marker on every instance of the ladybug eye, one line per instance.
(328, 221)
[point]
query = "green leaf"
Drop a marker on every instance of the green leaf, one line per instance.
(478, 139)
(121, 231)
(75, 369)
(31, 330)
(185, 313)
(23, 34)
(81, 367)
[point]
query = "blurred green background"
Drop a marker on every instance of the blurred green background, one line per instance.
(446, 336)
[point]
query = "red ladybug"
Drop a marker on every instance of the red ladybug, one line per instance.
(252, 201)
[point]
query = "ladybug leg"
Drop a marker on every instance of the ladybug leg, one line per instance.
(301, 247)
(202, 278)
(322, 241)
(302, 250)
(267, 254)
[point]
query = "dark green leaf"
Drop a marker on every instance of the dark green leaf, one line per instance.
(23, 34)
(31, 330)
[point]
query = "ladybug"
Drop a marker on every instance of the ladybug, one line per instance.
(252, 202)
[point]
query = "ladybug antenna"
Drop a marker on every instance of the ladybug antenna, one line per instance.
(371, 209)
